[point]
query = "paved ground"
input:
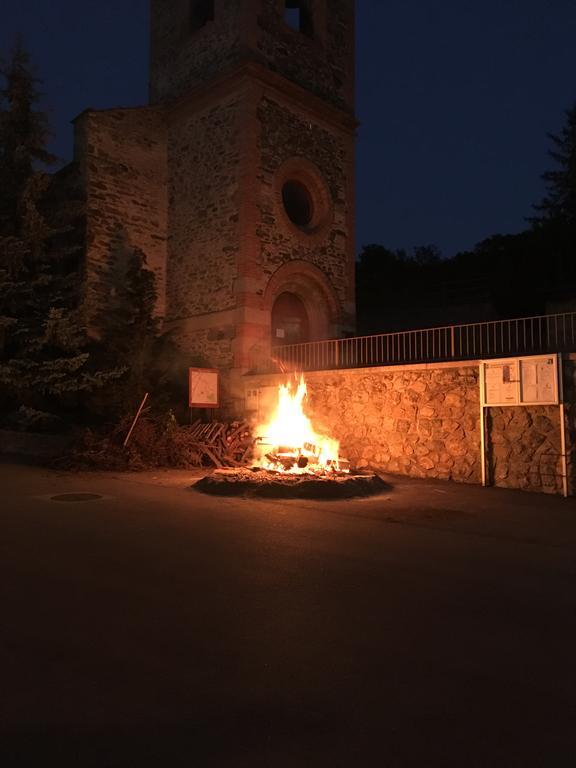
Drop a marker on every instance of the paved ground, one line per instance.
(434, 626)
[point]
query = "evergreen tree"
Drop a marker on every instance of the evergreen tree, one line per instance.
(24, 132)
(45, 363)
(127, 325)
(559, 205)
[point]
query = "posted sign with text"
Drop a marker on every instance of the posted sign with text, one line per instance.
(521, 381)
(539, 381)
(204, 388)
(501, 382)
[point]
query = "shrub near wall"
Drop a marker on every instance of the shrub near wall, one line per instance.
(421, 421)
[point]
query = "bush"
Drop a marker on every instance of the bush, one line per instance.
(153, 443)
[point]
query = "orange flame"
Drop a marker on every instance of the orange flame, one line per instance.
(290, 433)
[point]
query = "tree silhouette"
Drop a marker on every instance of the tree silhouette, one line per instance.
(46, 367)
(559, 205)
(24, 132)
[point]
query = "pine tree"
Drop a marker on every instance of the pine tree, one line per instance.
(24, 132)
(559, 205)
(127, 325)
(45, 363)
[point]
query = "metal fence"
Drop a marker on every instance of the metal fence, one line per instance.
(499, 338)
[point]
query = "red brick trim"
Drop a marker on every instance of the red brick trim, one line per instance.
(312, 286)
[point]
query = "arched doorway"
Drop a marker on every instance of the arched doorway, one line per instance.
(290, 323)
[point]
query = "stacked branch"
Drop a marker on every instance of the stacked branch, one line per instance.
(223, 445)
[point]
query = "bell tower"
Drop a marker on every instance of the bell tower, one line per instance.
(258, 97)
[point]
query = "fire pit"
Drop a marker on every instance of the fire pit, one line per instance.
(293, 460)
(262, 483)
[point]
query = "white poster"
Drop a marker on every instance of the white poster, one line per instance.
(501, 382)
(204, 388)
(539, 380)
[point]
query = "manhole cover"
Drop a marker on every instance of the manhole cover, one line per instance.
(76, 497)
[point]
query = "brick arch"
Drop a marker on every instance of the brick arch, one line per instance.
(312, 286)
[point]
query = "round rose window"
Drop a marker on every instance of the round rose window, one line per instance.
(303, 197)
(298, 203)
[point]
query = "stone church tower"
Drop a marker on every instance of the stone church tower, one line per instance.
(237, 181)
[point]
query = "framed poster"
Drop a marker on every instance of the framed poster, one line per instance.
(539, 380)
(521, 381)
(501, 382)
(204, 388)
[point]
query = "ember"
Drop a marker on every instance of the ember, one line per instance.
(266, 484)
(288, 442)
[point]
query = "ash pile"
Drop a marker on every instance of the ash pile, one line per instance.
(268, 484)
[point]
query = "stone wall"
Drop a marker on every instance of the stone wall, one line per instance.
(524, 448)
(570, 417)
(183, 57)
(424, 421)
(323, 63)
(204, 165)
(419, 421)
(289, 134)
(121, 154)
(208, 347)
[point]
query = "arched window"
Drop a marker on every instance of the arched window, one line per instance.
(201, 12)
(290, 323)
(298, 15)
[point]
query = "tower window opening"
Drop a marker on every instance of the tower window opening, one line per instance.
(201, 12)
(298, 204)
(298, 15)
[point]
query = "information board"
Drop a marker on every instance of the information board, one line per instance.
(521, 381)
(204, 389)
(501, 382)
(539, 381)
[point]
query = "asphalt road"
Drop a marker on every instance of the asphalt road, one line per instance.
(433, 626)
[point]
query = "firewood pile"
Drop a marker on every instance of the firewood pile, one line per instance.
(220, 444)
(307, 458)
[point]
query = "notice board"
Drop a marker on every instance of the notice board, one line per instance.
(501, 382)
(521, 381)
(204, 388)
(539, 381)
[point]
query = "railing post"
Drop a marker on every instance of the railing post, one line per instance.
(336, 353)
(452, 342)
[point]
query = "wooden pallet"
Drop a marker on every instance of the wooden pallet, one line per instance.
(223, 445)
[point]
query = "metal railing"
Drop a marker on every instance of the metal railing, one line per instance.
(498, 338)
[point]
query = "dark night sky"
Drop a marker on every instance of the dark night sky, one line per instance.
(455, 99)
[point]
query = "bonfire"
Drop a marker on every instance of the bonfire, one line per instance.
(288, 443)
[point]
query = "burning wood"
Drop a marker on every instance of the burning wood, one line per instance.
(289, 443)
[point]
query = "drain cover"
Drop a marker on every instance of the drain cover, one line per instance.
(76, 497)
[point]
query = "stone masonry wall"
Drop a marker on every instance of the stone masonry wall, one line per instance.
(424, 421)
(323, 64)
(421, 422)
(122, 157)
(208, 347)
(524, 448)
(204, 162)
(182, 57)
(287, 134)
(253, 30)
